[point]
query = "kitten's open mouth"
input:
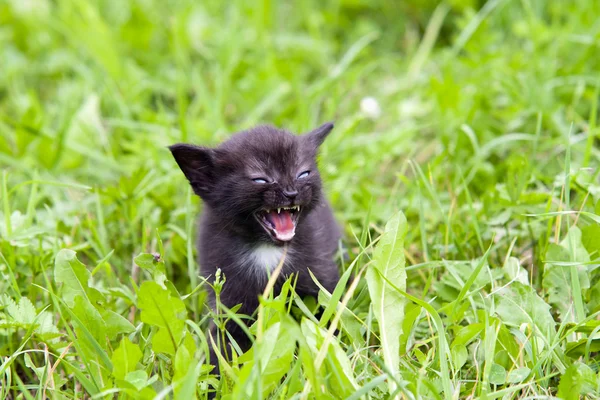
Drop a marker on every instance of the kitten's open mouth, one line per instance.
(280, 223)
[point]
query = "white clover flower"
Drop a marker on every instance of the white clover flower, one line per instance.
(370, 107)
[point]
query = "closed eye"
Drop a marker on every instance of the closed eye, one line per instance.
(259, 180)
(303, 175)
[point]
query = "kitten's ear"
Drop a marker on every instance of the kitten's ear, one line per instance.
(197, 164)
(317, 136)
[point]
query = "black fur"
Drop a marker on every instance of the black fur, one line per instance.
(223, 178)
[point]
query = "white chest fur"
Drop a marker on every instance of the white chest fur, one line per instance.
(264, 258)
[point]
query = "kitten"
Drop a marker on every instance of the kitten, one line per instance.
(261, 191)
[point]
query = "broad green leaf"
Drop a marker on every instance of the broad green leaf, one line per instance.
(578, 380)
(348, 321)
(159, 307)
(115, 324)
(459, 356)
(518, 375)
(587, 327)
(462, 277)
(467, 333)
(388, 304)
(91, 336)
(351, 326)
(138, 378)
(146, 261)
(46, 327)
(520, 304)
(135, 385)
(190, 344)
(590, 238)
(125, 358)
(341, 369)
(336, 366)
(307, 356)
(166, 340)
(150, 262)
(557, 280)
(270, 360)
(513, 271)
(74, 276)
(583, 347)
(594, 294)
(164, 310)
(497, 374)
(182, 362)
(186, 370)
(574, 239)
(276, 353)
(412, 312)
(185, 386)
(39, 371)
(90, 318)
(509, 344)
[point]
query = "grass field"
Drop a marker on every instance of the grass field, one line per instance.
(477, 121)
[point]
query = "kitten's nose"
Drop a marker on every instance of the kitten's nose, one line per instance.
(290, 194)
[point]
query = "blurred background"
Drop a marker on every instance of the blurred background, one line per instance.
(432, 102)
(458, 113)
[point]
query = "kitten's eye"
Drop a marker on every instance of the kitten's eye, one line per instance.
(259, 180)
(303, 175)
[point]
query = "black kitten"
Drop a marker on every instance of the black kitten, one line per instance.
(262, 191)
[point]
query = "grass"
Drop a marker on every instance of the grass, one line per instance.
(484, 134)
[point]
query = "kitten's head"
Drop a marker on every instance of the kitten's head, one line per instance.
(259, 182)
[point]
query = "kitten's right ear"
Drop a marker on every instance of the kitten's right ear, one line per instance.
(197, 164)
(318, 135)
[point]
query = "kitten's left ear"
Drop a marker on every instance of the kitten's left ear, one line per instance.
(317, 136)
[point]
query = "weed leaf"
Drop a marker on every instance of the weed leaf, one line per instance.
(164, 310)
(336, 367)
(388, 304)
(74, 276)
(520, 304)
(125, 358)
(115, 324)
(577, 380)
(557, 278)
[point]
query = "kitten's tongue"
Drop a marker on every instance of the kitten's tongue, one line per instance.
(283, 223)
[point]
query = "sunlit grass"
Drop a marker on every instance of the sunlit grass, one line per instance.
(477, 120)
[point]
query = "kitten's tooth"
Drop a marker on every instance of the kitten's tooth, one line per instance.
(279, 211)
